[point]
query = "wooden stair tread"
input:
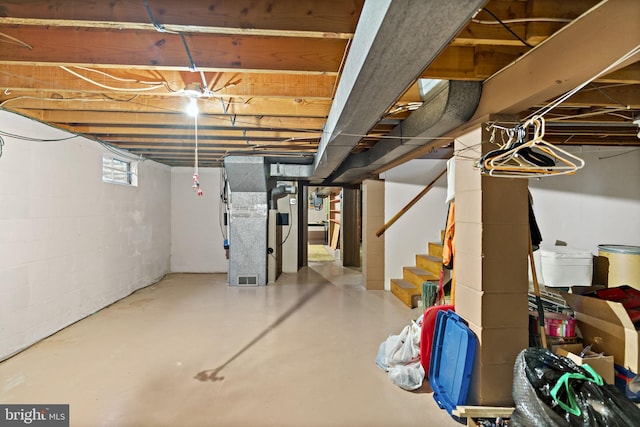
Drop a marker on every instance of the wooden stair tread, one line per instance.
(430, 257)
(420, 272)
(428, 268)
(417, 276)
(406, 292)
(429, 263)
(406, 285)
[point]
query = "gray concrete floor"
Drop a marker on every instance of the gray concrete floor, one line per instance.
(192, 351)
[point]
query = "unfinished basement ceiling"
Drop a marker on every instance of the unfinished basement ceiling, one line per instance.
(265, 74)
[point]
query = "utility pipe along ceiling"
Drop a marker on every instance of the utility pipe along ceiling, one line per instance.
(332, 92)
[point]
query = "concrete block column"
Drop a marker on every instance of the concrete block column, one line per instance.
(372, 246)
(491, 240)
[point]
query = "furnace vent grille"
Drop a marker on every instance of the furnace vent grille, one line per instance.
(247, 280)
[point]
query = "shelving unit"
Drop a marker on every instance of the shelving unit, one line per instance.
(335, 210)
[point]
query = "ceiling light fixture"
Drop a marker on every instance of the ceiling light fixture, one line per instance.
(192, 107)
(193, 91)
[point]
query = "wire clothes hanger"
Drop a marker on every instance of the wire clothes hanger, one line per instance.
(533, 158)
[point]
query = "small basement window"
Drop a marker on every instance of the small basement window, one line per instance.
(119, 171)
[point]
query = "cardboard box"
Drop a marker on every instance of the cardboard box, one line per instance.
(603, 365)
(608, 328)
(492, 310)
(492, 376)
(498, 346)
(491, 385)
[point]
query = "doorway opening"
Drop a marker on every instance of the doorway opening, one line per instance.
(324, 211)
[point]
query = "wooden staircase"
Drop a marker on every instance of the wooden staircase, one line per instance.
(428, 267)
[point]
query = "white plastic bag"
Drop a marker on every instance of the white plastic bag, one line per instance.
(381, 359)
(408, 377)
(406, 348)
(399, 355)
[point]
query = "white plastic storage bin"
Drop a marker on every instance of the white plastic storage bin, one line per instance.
(563, 267)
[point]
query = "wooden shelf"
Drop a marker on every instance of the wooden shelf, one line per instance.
(334, 220)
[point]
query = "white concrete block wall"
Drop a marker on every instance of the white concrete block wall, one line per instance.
(71, 244)
(420, 224)
(196, 235)
(600, 204)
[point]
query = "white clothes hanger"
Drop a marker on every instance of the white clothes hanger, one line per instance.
(513, 165)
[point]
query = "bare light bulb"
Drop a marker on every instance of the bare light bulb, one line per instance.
(192, 107)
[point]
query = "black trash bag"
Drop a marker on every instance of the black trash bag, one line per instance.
(550, 390)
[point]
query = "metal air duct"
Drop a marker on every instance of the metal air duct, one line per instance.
(247, 177)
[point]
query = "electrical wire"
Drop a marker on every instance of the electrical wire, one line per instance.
(162, 29)
(342, 61)
(119, 152)
(544, 110)
(195, 119)
(101, 99)
(224, 201)
(120, 79)
(1, 145)
(15, 41)
(32, 139)
(596, 87)
(604, 111)
(501, 22)
(290, 227)
(196, 177)
(159, 27)
(619, 154)
(192, 65)
(108, 147)
(520, 21)
(93, 82)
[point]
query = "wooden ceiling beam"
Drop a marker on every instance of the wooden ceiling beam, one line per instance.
(177, 147)
(188, 155)
(586, 47)
(253, 106)
(130, 49)
(533, 21)
(472, 62)
(593, 139)
(629, 74)
(189, 143)
(327, 16)
(485, 30)
(538, 31)
(188, 129)
(220, 121)
(212, 148)
(218, 146)
(186, 29)
(481, 62)
(224, 84)
(606, 95)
